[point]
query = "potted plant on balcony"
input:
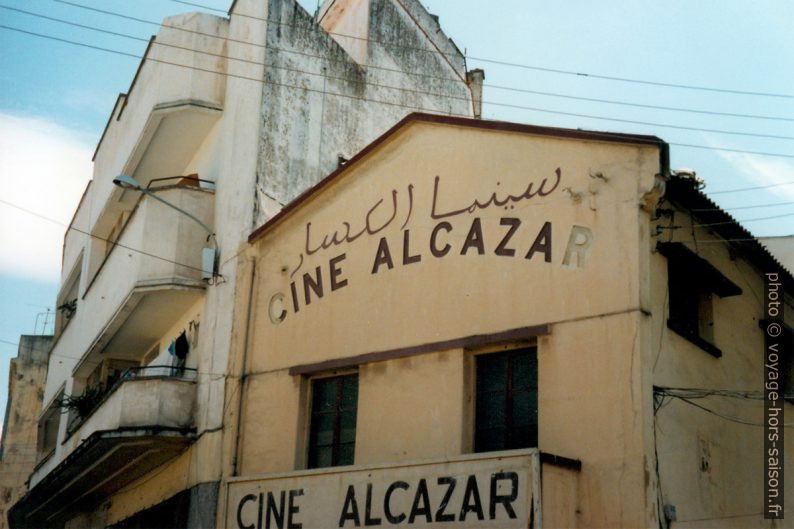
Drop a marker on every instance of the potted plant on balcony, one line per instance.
(82, 404)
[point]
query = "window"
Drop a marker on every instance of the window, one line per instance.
(691, 311)
(332, 431)
(67, 298)
(506, 414)
(691, 283)
(49, 423)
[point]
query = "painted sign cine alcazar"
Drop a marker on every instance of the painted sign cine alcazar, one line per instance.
(439, 231)
(444, 231)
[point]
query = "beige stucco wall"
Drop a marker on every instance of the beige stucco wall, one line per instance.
(373, 311)
(711, 467)
(436, 390)
(593, 396)
(590, 407)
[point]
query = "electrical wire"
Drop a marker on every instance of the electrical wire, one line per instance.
(420, 74)
(170, 261)
(518, 65)
(745, 207)
(236, 76)
(748, 284)
(392, 103)
(629, 80)
(221, 73)
(215, 36)
(17, 345)
(728, 417)
(750, 188)
(386, 43)
(717, 241)
(715, 518)
(403, 89)
(743, 220)
(423, 92)
(255, 44)
(277, 22)
(199, 5)
(645, 123)
(249, 61)
(728, 149)
(637, 105)
(689, 395)
(114, 243)
(701, 393)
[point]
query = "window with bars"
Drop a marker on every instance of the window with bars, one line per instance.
(507, 400)
(691, 283)
(691, 306)
(332, 428)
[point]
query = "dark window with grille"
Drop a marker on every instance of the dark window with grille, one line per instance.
(507, 400)
(332, 430)
(692, 281)
(691, 313)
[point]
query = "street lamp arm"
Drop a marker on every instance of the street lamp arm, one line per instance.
(127, 182)
(154, 196)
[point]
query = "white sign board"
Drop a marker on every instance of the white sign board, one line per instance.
(471, 491)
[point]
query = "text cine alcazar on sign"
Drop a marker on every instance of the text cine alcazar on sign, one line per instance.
(504, 235)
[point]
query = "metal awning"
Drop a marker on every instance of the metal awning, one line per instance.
(103, 464)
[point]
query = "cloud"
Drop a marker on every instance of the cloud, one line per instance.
(44, 168)
(763, 171)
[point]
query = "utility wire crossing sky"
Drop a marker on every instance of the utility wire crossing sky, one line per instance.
(711, 78)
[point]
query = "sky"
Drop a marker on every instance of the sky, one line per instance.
(568, 64)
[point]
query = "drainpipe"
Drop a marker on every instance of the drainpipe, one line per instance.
(475, 78)
(243, 372)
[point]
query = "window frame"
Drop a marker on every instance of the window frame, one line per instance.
(691, 307)
(69, 293)
(310, 448)
(694, 279)
(510, 351)
(52, 410)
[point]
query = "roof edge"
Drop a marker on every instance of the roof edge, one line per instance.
(504, 126)
(684, 192)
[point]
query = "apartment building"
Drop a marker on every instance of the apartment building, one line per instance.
(26, 375)
(226, 120)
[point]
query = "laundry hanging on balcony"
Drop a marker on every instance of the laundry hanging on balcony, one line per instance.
(181, 346)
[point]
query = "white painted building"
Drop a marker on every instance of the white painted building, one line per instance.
(257, 106)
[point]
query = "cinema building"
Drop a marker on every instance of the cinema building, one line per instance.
(483, 324)
(303, 306)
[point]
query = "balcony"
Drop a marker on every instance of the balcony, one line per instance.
(166, 399)
(141, 422)
(147, 280)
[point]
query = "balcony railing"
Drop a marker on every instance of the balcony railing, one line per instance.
(143, 420)
(83, 407)
(183, 373)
